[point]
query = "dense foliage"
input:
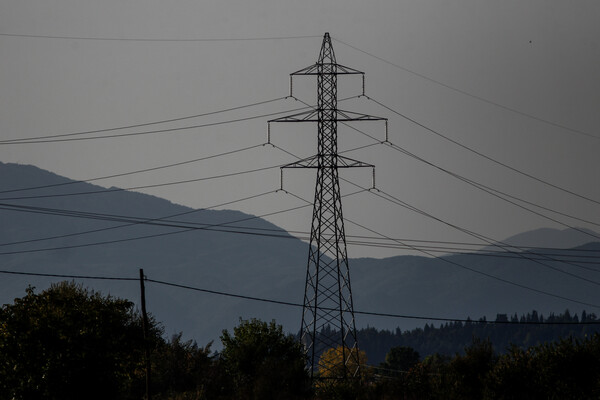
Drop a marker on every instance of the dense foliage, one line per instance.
(68, 343)
(264, 363)
(452, 337)
(71, 343)
(566, 369)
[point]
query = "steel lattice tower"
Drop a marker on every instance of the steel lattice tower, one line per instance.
(328, 313)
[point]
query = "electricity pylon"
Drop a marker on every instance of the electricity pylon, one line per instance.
(328, 312)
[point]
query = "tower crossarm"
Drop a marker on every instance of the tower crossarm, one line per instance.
(338, 68)
(342, 162)
(313, 116)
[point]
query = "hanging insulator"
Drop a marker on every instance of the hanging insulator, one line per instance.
(386, 131)
(373, 178)
(363, 84)
(268, 133)
(281, 179)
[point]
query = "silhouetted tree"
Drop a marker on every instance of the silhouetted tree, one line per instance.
(70, 343)
(264, 363)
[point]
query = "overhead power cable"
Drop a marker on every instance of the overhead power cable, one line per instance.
(447, 260)
(474, 96)
(480, 154)
(494, 192)
(507, 281)
(134, 172)
(491, 242)
(504, 196)
(290, 303)
(104, 216)
(152, 132)
(220, 227)
(114, 190)
(500, 194)
(367, 241)
(114, 218)
(481, 244)
(69, 276)
(138, 39)
(483, 253)
(276, 233)
(406, 205)
(166, 130)
(131, 221)
(62, 135)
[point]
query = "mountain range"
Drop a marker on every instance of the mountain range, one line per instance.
(55, 226)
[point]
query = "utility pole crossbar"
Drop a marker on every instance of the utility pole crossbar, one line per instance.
(328, 312)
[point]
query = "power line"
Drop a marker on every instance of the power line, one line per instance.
(115, 241)
(134, 39)
(103, 216)
(353, 239)
(106, 191)
(290, 303)
(491, 242)
(483, 187)
(494, 192)
(112, 190)
(463, 266)
(480, 253)
(131, 220)
(164, 218)
(481, 244)
(280, 233)
(500, 244)
(179, 225)
(167, 130)
(480, 154)
(304, 200)
(106, 217)
(498, 194)
(110, 278)
(184, 227)
(134, 172)
(490, 275)
(406, 205)
(5, 141)
(463, 92)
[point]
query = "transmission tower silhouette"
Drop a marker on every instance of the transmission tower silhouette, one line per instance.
(328, 314)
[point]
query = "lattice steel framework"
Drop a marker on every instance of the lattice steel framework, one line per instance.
(328, 314)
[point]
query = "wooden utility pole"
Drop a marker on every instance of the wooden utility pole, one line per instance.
(146, 339)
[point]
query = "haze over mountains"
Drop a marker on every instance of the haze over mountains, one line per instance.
(256, 258)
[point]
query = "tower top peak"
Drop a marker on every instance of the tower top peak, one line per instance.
(326, 56)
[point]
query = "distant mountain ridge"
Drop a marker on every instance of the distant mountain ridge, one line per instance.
(555, 238)
(252, 265)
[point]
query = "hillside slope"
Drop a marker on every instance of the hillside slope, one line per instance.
(247, 264)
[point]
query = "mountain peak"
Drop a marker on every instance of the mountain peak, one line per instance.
(550, 237)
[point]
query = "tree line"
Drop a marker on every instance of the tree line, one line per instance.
(68, 342)
(453, 337)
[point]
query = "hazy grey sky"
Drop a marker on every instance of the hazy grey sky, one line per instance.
(538, 57)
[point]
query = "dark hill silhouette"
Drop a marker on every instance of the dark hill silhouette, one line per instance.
(548, 237)
(251, 265)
